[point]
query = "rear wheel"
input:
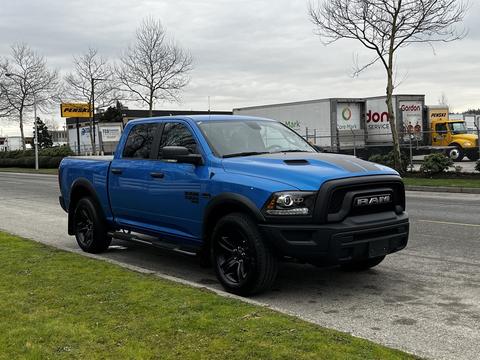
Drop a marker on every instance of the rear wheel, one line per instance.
(456, 154)
(473, 155)
(363, 264)
(90, 228)
(243, 263)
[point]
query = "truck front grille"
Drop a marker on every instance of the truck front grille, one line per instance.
(336, 198)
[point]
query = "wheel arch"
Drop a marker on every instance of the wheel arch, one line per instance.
(224, 204)
(80, 188)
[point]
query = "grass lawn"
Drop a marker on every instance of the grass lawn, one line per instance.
(30, 171)
(55, 304)
(449, 182)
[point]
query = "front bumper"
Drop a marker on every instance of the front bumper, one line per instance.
(355, 238)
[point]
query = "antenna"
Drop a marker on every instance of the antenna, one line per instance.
(209, 104)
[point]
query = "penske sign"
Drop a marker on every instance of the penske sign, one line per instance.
(75, 110)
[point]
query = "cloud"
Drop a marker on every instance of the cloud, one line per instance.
(247, 52)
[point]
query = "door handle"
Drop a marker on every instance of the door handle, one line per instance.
(157, 175)
(117, 171)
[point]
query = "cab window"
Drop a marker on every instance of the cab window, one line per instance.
(139, 141)
(441, 128)
(177, 134)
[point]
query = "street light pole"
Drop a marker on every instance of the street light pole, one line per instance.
(34, 115)
(93, 110)
(36, 131)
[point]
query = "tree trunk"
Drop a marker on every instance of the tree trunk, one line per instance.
(391, 118)
(150, 107)
(24, 147)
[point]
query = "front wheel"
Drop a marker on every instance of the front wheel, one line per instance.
(90, 228)
(457, 154)
(243, 263)
(363, 264)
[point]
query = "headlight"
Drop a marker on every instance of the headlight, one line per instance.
(467, 144)
(290, 203)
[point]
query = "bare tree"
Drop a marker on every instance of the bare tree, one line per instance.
(154, 67)
(443, 100)
(93, 81)
(386, 26)
(26, 81)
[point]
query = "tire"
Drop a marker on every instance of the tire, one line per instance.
(362, 265)
(89, 227)
(473, 155)
(456, 154)
(243, 263)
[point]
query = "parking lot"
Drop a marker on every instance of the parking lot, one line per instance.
(424, 300)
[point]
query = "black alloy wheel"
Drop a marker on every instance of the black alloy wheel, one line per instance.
(234, 259)
(243, 262)
(90, 227)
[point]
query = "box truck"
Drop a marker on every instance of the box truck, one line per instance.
(334, 124)
(361, 125)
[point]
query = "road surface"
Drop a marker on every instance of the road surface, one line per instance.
(424, 300)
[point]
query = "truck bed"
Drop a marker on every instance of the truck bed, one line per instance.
(89, 169)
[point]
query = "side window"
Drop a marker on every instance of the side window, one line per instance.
(441, 128)
(177, 134)
(139, 141)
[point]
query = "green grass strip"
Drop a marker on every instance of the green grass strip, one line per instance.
(467, 183)
(55, 304)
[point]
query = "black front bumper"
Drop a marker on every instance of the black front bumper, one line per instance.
(355, 238)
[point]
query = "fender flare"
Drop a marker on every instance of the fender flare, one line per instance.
(226, 199)
(87, 185)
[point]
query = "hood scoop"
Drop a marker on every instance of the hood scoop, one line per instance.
(296, 162)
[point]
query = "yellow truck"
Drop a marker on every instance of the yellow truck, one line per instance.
(453, 133)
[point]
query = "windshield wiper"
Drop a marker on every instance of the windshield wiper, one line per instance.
(289, 151)
(246, 153)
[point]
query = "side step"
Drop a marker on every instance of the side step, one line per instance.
(152, 241)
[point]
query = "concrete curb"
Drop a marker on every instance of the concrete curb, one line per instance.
(443, 189)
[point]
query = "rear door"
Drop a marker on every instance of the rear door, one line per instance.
(131, 175)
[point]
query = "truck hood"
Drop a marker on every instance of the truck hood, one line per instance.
(305, 171)
(462, 138)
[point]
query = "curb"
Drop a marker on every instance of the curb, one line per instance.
(443, 189)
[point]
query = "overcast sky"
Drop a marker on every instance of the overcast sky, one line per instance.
(247, 52)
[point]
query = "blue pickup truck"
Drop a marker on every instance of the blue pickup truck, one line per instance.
(242, 193)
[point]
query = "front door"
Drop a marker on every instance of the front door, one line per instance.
(179, 192)
(440, 135)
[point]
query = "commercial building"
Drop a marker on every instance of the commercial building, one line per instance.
(107, 134)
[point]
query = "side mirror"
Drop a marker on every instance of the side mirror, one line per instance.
(181, 155)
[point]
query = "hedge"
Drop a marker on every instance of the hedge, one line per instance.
(47, 158)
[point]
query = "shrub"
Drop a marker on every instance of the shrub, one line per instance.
(435, 164)
(47, 158)
(57, 151)
(388, 160)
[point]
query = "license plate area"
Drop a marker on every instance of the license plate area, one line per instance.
(378, 248)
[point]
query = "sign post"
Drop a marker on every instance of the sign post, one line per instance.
(477, 125)
(75, 110)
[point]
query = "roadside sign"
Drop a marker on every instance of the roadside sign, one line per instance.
(81, 110)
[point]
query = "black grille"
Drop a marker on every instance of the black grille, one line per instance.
(335, 200)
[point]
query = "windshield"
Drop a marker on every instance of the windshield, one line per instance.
(457, 128)
(241, 138)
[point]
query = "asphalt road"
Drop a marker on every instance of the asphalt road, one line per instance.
(424, 300)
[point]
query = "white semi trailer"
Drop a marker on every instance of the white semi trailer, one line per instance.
(334, 124)
(343, 124)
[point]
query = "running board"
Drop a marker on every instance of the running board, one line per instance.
(152, 241)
